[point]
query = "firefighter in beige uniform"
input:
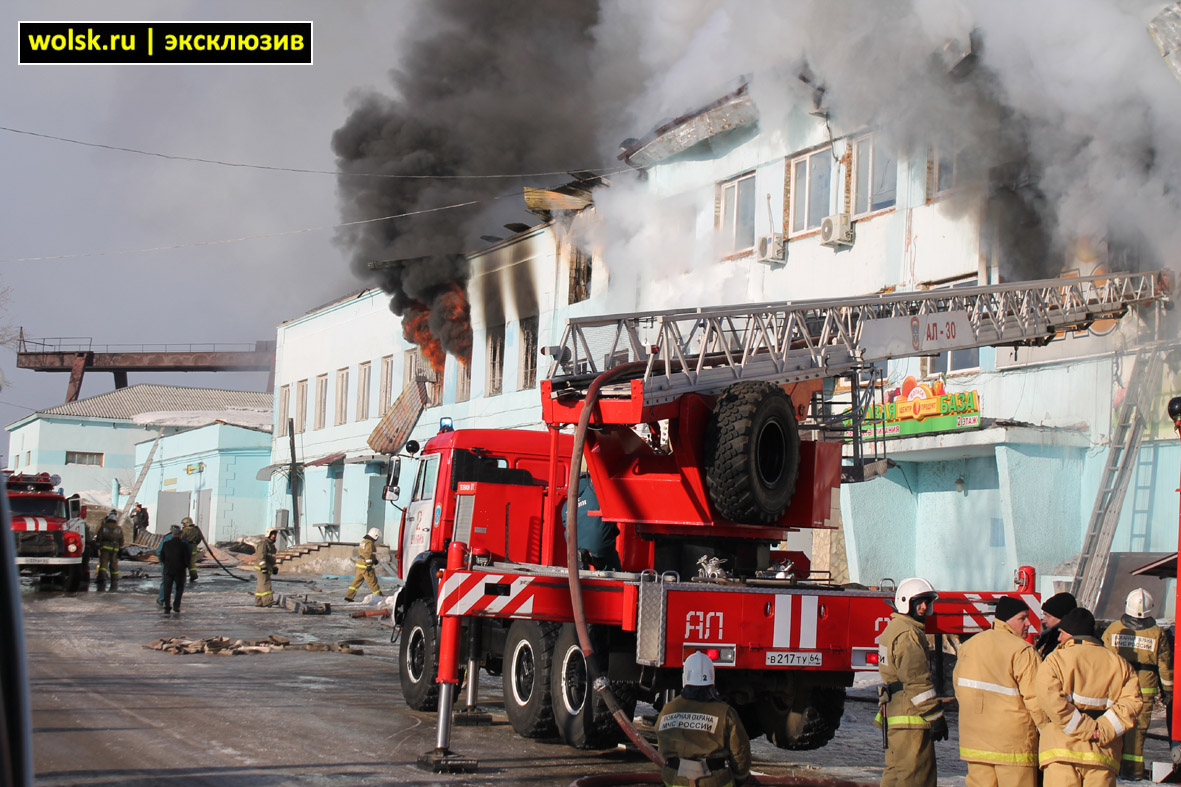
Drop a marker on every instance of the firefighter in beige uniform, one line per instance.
(1092, 698)
(910, 715)
(701, 737)
(1143, 644)
(366, 566)
(110, 541)
(264, 562)
(999, 716)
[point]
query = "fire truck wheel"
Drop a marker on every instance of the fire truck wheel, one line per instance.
(528, 661)
(807, 720)
(418, 657)
(76, 578)
(752, 453)
(582, 717)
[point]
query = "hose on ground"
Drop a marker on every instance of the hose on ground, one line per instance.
(209, 551)
(600, 683)
(619, 779)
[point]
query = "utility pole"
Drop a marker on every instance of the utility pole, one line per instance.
(293, 477)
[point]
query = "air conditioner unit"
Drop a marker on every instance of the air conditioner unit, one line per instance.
(772, 248)
(836, 231)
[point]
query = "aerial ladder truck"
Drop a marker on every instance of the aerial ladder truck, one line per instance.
(709, 435)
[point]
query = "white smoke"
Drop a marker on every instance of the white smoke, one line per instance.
(1074, 89)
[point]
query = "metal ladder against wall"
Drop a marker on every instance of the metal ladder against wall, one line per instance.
(1122, 459)
(1143, 488)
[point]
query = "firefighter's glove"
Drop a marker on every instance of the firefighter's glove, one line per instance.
(274, 569)
(939, 729)
(1167, 698)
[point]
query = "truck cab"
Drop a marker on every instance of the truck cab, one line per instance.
(512, 471)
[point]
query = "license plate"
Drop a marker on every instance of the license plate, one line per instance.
(794, 658)
(45, 561)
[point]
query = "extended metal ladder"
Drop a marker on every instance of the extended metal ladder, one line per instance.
(706, 350)
(1122, 456)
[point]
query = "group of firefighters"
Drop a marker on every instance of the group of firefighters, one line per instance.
(109, 541)
(1079, 710)
(266, 564)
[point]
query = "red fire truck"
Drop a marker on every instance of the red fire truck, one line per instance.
(709, 435)
(49, 530)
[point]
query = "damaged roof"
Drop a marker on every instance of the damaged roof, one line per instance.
(126, 403)
(728, 113)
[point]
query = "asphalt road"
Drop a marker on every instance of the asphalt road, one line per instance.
(108, 711)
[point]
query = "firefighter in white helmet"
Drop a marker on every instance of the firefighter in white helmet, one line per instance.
(366, 566)
(910, 715)
(700, 736)
(264, 562)
(1137, 637)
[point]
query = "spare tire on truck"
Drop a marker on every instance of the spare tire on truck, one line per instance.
(752, 453)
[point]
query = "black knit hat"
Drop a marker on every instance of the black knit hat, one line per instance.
(1079, 622)
(1008, 606)
(1059, 604)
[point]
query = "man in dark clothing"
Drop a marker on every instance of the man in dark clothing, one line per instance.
(174, 564)
(1053, 610)
(596, 537)
(139, 520)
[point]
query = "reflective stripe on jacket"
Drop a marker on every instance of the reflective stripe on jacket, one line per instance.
(904, 664)
(693, 730)
(367, 553)
(110, 535)
(265, 555)
(1082, 686)
(994, 684)
(1149, 653)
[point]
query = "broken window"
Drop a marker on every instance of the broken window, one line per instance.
(321, 400)
(463, 383)
(737, 227)
(950, 168)
(284, 406)
(301, 406)
(580, 275)
(528, 365)
(416, 369)
(363, 391)
(811, 187)
(386, 388)
(875, 176)
(495, 381)
(342, 396)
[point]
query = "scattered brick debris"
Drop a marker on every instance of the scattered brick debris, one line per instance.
(223, 646)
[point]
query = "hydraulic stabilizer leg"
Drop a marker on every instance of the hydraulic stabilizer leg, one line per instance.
(441, 759)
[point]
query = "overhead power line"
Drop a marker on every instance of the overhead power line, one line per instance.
(241, 165)
(251, 237)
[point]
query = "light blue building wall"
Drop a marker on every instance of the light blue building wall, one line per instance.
(210, 474)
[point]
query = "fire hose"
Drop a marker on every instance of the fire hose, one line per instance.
(601, 684)
(618, 779)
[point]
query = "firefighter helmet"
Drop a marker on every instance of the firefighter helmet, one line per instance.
(113, 516)
(374, 533)
(1139, 604)
(188, 520)
(914, 588)
(272, 531)
(698, 670)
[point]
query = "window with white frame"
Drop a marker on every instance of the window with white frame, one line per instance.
(414, 367)
(528, 364)
(321, 400)
(737, 214)
(811, 190)
(954, 360)
(951, 168)
(495, 380)
(301, 406)
(363, 391)
(342, 397)
(284, 407)
(875, 176)
(463, 385)
(81, 458)
(385, 394)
